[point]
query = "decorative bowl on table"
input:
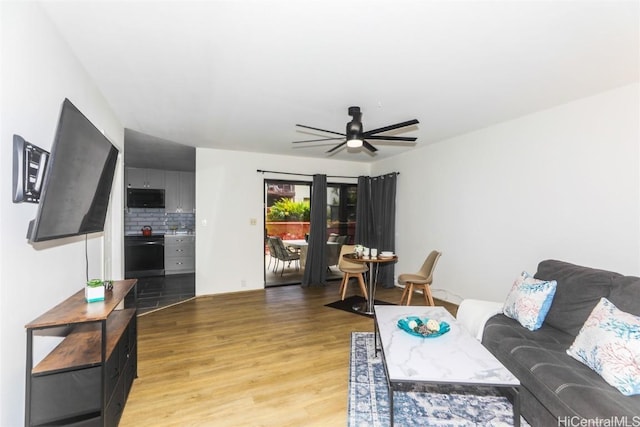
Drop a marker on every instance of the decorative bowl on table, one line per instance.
(424, 328)
(386, 254)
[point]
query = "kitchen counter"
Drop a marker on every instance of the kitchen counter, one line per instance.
(179, 233)
(136, 236)
(167, 233)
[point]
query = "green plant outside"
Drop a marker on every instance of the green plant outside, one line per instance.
(289, 210)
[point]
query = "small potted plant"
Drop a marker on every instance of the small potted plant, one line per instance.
(94, 291)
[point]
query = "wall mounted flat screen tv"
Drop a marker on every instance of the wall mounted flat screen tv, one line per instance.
(77, 182)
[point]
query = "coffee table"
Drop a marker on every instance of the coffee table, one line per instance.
(453, 358)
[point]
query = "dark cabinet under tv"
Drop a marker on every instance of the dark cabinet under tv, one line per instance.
(85, 380)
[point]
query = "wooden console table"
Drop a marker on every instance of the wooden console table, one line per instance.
(86, 378)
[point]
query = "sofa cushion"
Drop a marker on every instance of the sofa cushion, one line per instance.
(625, 294)
(529, 300)
(500, 327)
(579, 289)
(563, 385)
(609, 343)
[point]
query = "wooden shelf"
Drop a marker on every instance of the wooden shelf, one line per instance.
(76, 309)
(76, 383)
(82, 347)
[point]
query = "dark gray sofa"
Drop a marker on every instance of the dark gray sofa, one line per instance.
(553, 383)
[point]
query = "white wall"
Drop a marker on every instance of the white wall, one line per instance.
(38, 72)
(562, 183)
(229, 193)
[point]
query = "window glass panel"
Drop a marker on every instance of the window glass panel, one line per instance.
(341, 210)
(287, 209)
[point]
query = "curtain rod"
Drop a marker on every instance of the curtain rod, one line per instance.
(307, 174)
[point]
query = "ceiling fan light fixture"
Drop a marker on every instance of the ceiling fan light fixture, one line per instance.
(355, 137)
(354, 142)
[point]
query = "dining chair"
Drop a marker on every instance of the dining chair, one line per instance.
(422, 279)
(333, 251)
(272, 253)
(285, 255)
(351, 269)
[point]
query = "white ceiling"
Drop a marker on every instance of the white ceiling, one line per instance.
(145, 151)
(240, 74)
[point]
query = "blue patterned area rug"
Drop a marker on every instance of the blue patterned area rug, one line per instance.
(453, 406)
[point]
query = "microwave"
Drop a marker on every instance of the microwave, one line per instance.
(145, 198)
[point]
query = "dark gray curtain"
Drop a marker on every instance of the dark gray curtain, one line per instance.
(315, 270)
(383, 198)
(364, 224)
(376, 219)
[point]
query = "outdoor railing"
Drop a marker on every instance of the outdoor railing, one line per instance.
(294, 230)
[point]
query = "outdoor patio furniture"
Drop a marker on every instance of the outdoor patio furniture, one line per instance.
(284, 254)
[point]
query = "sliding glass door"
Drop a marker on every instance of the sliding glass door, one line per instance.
(286, 218)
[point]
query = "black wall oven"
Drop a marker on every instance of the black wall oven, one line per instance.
(143, 256)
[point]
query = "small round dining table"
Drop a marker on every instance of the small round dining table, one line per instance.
(374, 262)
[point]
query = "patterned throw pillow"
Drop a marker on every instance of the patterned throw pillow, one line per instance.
(609, 343)
(529, 300)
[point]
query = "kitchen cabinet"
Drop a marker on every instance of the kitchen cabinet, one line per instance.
(86, 378)
(179, 254)
(180, 192)
(145, 178)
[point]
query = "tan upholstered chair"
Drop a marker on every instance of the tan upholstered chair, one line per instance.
(351, 269)
(422, 279)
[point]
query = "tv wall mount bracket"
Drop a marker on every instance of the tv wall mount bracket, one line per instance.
(29, 167)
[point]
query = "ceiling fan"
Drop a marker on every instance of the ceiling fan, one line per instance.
(355, 137)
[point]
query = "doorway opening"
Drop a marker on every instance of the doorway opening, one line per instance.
(162, 257)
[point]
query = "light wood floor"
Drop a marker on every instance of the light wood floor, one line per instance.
(274, 357)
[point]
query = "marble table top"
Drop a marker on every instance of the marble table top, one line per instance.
(453, 358)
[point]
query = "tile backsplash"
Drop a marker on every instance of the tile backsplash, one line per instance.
(159, 220)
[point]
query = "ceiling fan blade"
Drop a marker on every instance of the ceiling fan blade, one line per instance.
(393, 138)
(391, 127)
(369, 147)
(316, 140)
(314, 146)
(336, 147)
(321, 130)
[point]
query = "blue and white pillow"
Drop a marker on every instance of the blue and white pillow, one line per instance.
(609, 343)
(529, 300)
